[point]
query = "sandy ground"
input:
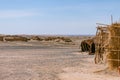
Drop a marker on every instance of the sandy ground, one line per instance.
(89, 71)
(49, 61)
(35, 60)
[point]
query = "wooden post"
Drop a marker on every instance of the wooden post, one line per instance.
(111, 19)
(119, 70)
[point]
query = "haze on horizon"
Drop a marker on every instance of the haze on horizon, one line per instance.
(64, 17)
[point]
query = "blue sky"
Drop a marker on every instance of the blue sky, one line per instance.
(64, 17)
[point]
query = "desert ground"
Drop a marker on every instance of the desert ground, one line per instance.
(49, 60)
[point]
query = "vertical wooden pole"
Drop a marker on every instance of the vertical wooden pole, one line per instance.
(111, 19)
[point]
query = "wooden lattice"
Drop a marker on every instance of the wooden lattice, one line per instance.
(100, 40)
(107, 41)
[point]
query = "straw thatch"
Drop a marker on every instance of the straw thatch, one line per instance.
(88, 45)
(113, 56)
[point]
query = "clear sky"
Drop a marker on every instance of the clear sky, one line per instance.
(69, 17)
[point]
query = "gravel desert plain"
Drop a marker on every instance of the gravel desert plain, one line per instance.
(50, 60)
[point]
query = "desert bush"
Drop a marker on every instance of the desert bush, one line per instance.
(15, 38)
(50, 38)
(58, 39)
(68, 40)
(1, 38)
(36, 38)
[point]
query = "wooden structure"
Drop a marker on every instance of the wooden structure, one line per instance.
(107, 42)
(113, 53)
(100, 40)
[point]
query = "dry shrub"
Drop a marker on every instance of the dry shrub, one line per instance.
(67, 40)
(58, 39)
(36, 38)
(15, 38)
(50, 38)
(20, 38)
(1, 38)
